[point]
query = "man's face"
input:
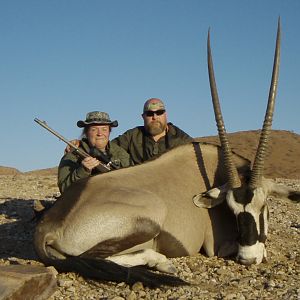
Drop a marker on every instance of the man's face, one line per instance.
(98, 136)
(155, 121)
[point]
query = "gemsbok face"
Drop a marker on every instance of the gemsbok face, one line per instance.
(251, 211)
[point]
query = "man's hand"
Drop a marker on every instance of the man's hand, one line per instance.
(89, 163)
(75, 143)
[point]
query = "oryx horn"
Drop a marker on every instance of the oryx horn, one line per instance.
(232, 174)
(258, 165)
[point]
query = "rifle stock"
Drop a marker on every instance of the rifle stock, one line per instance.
(102, 167)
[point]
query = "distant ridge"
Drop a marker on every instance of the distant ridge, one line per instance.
(14, 171)
(283, 160)
(49, 171)
(8, 171)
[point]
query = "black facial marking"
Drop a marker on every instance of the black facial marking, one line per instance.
(248, 234)
(262, 237)
(243, 196)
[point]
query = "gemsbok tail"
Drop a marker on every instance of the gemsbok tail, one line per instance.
(102, 269)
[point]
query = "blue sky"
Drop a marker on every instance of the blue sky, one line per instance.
(60, 59)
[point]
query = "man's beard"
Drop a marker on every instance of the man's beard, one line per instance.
(155, 128)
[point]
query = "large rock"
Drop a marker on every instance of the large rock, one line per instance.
(26, 282)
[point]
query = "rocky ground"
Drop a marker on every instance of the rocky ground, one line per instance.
(210, 278)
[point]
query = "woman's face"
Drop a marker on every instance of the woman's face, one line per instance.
(98, 136)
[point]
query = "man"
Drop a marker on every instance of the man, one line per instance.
(95, 141)
(155, 137)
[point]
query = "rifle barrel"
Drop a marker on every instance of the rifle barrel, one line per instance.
(102, 167)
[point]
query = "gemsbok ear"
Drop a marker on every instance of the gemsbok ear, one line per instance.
(211, 198)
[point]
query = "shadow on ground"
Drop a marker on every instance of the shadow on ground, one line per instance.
(16, 232)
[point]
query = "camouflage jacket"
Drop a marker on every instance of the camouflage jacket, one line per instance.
(141, 147)
(70, 168)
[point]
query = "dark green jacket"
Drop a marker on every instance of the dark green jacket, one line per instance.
(141, 147)
(70, 168)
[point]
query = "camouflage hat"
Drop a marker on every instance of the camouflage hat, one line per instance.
(153, 104)
(97, 117)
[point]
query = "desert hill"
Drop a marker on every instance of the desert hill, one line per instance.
(8, 171)
(49, 171)
(14, 171)
(283, 160)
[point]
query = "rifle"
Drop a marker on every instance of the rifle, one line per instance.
(101, 167)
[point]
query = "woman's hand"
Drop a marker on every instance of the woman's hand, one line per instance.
(89, 163)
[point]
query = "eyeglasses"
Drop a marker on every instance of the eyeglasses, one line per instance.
(150, 113)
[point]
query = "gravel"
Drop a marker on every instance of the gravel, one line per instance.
(210, 278)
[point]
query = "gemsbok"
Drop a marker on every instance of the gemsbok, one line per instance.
(196, 196)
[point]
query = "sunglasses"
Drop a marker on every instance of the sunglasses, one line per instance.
(150, 113)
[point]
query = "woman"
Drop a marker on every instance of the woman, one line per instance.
(95, 142)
